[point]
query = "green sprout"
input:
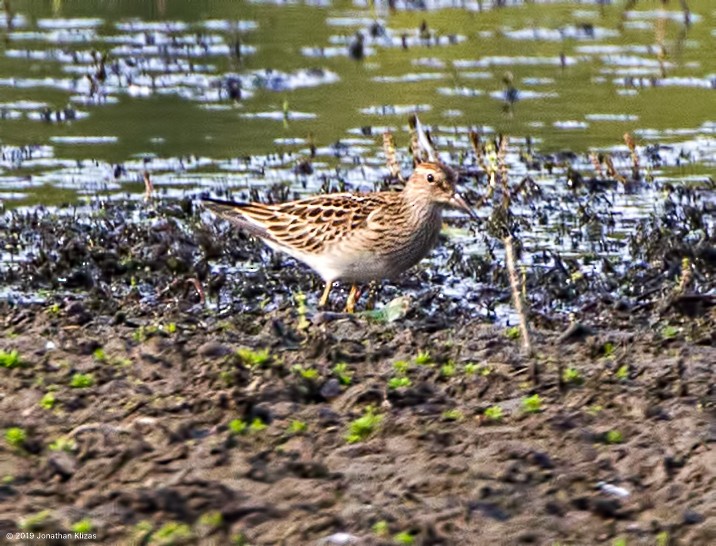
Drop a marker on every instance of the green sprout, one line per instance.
(453, 415)
(381, 528)
(608, 349)
(571, 375)
(343, 374)
(10, 360)
(99, 354)
(63, 444)
(363, 427)
(404, 537)
(663, 539)
(81, 380)
(15, 436)
(297, 427)
(448, 369)
(423, 358)
(309, 374)
(211, 519)
(302, 310)
(621, 541)
(257, 425)
(34, 521)
(170, 328)
(401, 367)
(172, 533)
(399, 382)
(237, 426)
(613, 437)
(532, 404)
(669, 332)
(493, 413)
(48, 401)
(83, 526)
(513, 332)
(254, 359)
(622, 374)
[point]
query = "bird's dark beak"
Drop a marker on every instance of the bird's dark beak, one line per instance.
(458, 202)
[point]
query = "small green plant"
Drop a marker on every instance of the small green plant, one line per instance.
(532, 404)
(404, 537)
(613, 437)
(399, 382)
(669, 332)
(254, 359)
(621, 541)
(608, 349)
(297, 427)
(63, 444)
(15, 436)
(493, 413)
(663, 539)
(226, 377)
(257, 425)
(302, 310)
(211, 519)
(453, 414)
(381, 528)
(34, 521)
(237, 426)
(54, 309)
(309, 374)
(170, 328)
(10, 360)
(83, 526)
(239, 539)
(513, 332)
(423, 358)
(594, 409)
(81, 380)
(172, 533)
(448, 369)
(401, 367)
(364, 426)
(344, 375)
(622, 373)
(571, 375)
(48, 401)
(99, 354)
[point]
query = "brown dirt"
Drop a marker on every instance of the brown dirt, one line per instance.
(151, 453)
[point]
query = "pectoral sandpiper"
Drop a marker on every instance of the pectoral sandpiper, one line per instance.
(358, 237)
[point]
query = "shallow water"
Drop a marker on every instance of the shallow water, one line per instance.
(95, 84)
(234, 98)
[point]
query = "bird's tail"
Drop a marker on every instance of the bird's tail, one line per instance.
(237, 214)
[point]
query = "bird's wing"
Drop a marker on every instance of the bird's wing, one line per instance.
(308, 225)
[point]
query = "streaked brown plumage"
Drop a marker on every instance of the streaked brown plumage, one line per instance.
(355, 237)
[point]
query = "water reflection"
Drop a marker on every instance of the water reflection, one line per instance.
(155, 80)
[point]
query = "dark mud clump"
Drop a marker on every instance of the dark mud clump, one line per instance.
(168, 381)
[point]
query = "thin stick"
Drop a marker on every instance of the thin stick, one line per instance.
(517, 298)
(390, 155)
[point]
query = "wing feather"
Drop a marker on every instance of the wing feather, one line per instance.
(309, 225)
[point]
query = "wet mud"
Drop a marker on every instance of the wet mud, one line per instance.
(167, 380)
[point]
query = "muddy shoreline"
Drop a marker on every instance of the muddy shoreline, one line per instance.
(150, 417)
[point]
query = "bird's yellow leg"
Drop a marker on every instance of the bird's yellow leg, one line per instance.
(326, 291)
(353, 296)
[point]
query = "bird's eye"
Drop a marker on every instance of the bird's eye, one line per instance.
(431, 178)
